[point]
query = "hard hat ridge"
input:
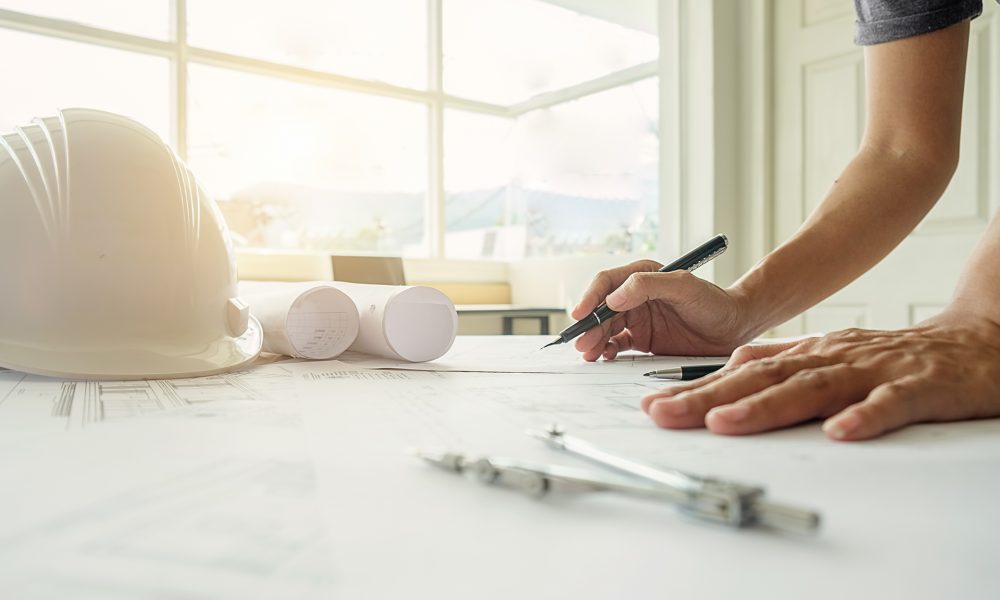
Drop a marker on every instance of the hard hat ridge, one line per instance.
(17, 149)
(140, 279)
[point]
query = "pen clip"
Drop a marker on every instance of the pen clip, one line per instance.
(707, 258)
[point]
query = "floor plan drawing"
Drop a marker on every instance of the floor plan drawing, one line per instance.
(28, 401)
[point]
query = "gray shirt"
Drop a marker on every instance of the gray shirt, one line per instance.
(886, 20)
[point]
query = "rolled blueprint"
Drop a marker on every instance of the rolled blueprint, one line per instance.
(305, 320)
(412, 323)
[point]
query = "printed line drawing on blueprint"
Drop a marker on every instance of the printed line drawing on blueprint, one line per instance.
(30, 401)
(583, 406)
(439, 402)
(233, 527)
(522, 354)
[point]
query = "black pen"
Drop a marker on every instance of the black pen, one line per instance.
(689, 262)
(684, 373)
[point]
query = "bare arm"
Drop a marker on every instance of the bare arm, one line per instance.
(865, 383)
(907, 157)
(978, 289)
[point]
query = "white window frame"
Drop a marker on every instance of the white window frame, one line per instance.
(434, 98)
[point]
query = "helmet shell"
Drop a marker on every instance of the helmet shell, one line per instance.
(124, 267)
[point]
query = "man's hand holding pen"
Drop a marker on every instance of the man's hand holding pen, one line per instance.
(863, 383)
(674, 313)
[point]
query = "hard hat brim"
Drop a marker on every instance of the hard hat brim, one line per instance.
(226, 354)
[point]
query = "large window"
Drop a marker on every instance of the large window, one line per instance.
(460, 128)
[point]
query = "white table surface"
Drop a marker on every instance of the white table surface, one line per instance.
(290, 481)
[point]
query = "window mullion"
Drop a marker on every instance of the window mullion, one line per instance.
(179, 79)
(434, 227)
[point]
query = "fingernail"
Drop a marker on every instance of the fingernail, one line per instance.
(841, 427)
(734, 413)
(674, 407)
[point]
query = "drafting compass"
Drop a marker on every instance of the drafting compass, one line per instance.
(714, 500)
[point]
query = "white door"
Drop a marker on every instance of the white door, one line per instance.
(819, 119)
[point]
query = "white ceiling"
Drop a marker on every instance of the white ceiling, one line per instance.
(636, 14)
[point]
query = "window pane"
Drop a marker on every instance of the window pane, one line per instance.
(59, 74)
(482, 212)
(299, 166)
(580, 177)
(383, 40)
(149, 18)
(505, 51)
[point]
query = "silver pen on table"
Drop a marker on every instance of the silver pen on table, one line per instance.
(684, 373)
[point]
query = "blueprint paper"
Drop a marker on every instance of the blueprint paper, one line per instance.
(923, 496)
(523, 354)
(408, 323)
(399, 323)
(163, 508)
(311, 321)
(34, 404)
(290, 479)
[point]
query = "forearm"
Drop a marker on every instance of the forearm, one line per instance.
(978, 289)
(914, 99)
(877, 201)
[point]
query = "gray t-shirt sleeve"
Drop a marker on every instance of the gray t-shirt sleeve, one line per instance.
(886, 20)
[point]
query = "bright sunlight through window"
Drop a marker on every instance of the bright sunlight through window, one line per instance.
(482, 129)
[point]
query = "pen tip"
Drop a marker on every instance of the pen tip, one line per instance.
(648, 374)
(559, 341)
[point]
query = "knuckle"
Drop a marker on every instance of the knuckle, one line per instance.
(941, 370)
(891, 405)
(767, 367)
(814, 379)
(639, 281)
(869, 413)
(894, 356)
(851, 333)
(645, 265)
(677, 390)
(743, 354)
(602, 280)
(806, 346)
(895, 391)
(680, 277)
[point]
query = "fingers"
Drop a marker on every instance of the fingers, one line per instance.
(594, 343)
(745, 354)
(642, 287)
(865, 383)
(606, 282)
(686, 409)
(807, 394)
(677, 388)
(593, 338)
(740, 356)
(618, 343)
(891, 405)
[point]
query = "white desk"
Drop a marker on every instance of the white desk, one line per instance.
(242, 491)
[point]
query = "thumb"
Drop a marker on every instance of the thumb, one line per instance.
(640, 288)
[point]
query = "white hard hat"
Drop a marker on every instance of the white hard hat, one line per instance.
(116, 265)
